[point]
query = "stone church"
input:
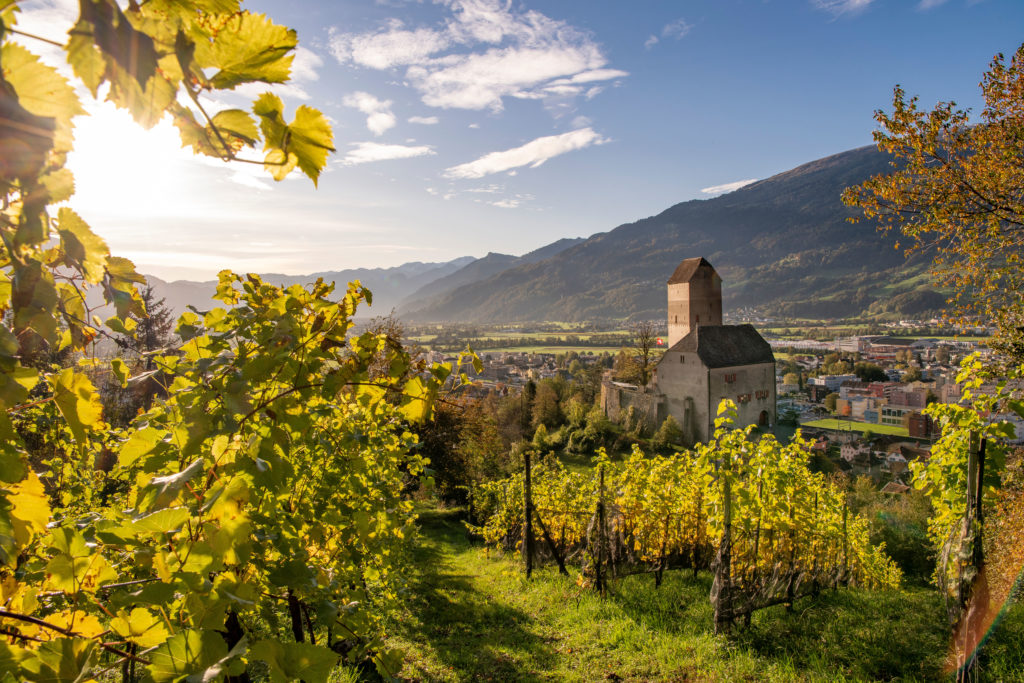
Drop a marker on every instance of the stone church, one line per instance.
(706, 362)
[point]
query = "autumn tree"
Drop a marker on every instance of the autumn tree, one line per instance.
(956, 192)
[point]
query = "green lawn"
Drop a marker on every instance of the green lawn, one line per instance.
(853, 426)
(471, 615)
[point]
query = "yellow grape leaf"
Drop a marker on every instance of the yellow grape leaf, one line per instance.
(78, 621)
(83, 249)
(248, 47)
(78, 401)
(42, 91)
(30, 509)
(139, 626)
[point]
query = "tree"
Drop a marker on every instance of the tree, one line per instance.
(957, 192)
(869, 372)
(791, 378)
(830, 402)
(912, 375)
(267, 485)
(645, 336)
(669, 434)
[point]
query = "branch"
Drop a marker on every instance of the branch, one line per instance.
(67, 632)
(34, 37)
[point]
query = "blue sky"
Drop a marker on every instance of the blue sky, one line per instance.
(468, 126)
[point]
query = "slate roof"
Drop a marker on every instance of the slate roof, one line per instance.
(685, 270)
(724, 346)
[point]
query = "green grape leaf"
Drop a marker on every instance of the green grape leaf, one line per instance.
(311, 141)
(188, 653)
(15, 384)
(236, 127)
(83, 249)
(140, 443)
(78, 401)
(64, 660)
(162, 490)
(121, 371)
(295, 661)
(162, 521)
(248, 47)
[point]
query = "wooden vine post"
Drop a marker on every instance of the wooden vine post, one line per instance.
(599, 573)
(721, 587)
(968, 615)
(528, 516)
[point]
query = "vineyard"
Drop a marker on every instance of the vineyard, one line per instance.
(751, 511)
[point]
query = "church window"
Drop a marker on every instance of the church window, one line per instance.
(698, 319)
(682, 358)
(730, 378)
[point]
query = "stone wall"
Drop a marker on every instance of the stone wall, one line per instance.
(617, 398)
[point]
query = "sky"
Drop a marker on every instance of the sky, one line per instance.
(469, 126)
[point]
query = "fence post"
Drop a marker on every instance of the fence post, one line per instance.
(528, 515)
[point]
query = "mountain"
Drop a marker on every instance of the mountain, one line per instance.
(482, 269)
(782, 245)
(389, 285)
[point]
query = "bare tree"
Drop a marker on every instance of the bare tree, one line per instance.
(645, 336)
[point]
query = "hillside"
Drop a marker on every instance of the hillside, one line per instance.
(783, 245)
(481, 269)
(389, 285)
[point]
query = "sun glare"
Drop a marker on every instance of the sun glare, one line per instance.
(122, 168)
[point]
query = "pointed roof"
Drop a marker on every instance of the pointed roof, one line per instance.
(724, 346)
(687, 268)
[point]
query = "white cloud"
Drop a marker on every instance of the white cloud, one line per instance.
(424, 120)
(505, 203)
(393, 46)
(676, 29)
(484, 52)
(838, 7)
(379, 117)
(728, 187)
(532, 154)
(474, 126)
(929, 4)
(366, 152)
(305, 64)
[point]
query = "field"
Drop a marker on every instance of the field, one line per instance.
(472, 615)
(853, 426)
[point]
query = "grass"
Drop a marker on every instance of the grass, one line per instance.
(854, 426)
(472, 615)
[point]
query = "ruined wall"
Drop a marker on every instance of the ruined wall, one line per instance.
(616, 400)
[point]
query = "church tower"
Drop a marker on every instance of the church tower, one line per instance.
(694, 298)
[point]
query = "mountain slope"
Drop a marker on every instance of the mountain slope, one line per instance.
(388, 285)
(482, 269)
(782, 245)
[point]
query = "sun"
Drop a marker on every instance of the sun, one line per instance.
(123, 169)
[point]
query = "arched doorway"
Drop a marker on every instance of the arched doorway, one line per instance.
(762, 419)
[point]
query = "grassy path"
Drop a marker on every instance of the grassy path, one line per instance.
(471, 615)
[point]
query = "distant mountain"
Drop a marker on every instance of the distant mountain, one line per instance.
(388, 285)
(782, 245)
(482, 269)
